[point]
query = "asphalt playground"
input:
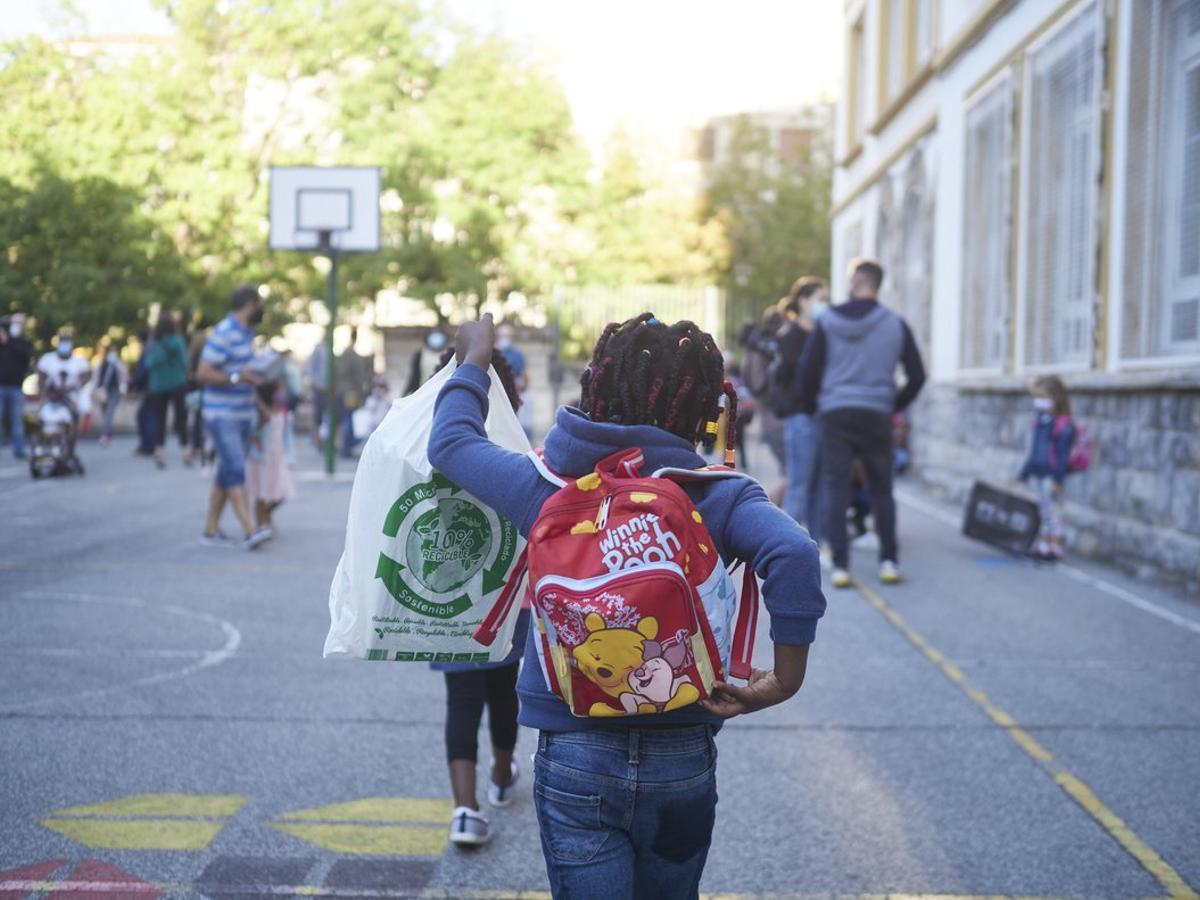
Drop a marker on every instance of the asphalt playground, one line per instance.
(169, 728)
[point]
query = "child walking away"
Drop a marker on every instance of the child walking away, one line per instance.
(625, 774)
(268, 478)
(1049, 461)
(469, 688)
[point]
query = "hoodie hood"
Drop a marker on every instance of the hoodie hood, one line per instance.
(575, 444)
(854, 320)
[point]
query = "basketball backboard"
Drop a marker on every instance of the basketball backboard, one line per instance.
(306, 200)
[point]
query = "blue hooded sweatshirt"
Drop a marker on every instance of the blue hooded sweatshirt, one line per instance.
(743, 522)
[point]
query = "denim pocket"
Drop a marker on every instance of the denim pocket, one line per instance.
(571, 824)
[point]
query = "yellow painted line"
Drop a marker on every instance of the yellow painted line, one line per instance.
(379, 809)
(397, 840)
(143, 834)
(1113, 824)
(202, 805)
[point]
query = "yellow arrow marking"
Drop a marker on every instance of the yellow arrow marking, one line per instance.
(143, 834)
(379, 809)
(205, 805)
(398, 840)
(147, 821)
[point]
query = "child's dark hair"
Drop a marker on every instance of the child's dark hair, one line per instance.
(503, 371)
(1052, 386)
(671, 376)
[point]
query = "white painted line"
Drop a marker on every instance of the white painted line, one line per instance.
(1113, 590)
(233, 640)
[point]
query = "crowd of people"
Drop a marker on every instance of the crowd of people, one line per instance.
(827, 378)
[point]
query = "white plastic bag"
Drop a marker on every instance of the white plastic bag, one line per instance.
(424, 561)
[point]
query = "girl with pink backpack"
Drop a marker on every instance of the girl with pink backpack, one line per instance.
(1058, 447)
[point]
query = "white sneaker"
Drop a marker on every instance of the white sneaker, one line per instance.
(220, 539)
(501, 797)
(469, 828)
(840, 578)
(889, 572)
(257, 538)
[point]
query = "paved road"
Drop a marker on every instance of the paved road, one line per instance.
(986, 728)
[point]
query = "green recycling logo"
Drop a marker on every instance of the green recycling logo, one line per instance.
(446, 540)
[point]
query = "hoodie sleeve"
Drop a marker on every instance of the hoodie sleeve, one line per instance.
(784, 557)
(810, 372)
(914, 370)
(459, 448)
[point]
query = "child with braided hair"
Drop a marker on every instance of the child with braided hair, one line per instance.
(626, 807)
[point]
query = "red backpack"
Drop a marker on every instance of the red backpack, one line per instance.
(633, 606)
(1079, 457)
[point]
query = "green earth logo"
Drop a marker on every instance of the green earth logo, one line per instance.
(454, 552)
(451, 542)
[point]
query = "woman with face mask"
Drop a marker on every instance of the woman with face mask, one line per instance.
(427, 359)
(808, 300)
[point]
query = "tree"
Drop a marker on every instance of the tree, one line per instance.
(81, 253)
(775, 216)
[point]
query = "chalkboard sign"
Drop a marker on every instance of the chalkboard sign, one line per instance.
(1001, 518)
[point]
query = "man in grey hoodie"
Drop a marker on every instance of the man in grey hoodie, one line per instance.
(848, 379)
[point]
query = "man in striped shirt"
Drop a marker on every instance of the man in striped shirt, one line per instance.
(229, 413)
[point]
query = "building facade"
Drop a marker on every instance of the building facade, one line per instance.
(1028, 172)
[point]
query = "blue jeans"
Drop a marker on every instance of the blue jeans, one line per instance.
(802, 434)
(231, 442)
(626, 813)
(12, 411)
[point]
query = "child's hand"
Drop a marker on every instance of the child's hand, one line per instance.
(764, 689)
(475, 342)
(767, 687)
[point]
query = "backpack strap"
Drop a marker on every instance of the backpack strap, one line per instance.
(539, 463)
(708, 473)
(489, 628)
(746, 627)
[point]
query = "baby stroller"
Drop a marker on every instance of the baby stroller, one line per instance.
(52, 433)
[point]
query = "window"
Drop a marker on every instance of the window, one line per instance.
(893, 41)
(1061, 156)
(987, 229)
(856, 106)
(1161, 282)
(923, 23)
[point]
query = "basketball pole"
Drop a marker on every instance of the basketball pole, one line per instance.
(331, 403)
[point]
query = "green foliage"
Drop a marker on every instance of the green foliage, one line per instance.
(775, 216)
(641, 232)
(110, 262)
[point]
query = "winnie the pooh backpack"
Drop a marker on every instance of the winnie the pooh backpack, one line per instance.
(633, 606)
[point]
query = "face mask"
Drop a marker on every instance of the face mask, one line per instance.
(503, 343)
(16, 328)
(818, 309)
(64, 348)
(1043, 404)
(436, 341)
(256, 317)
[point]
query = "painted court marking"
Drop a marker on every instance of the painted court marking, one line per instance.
(1100, 584)
(127, 888)
(208, 658)
(1076, 789)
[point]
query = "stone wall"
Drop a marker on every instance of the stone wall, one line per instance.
(1138, 506)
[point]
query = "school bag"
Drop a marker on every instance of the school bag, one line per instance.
(634, 608)
(1079, 459)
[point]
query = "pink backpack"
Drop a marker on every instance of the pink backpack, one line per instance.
(634, 608)
(1082, 450)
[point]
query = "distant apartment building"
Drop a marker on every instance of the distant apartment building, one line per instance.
(793, 134)
(1028, 171)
